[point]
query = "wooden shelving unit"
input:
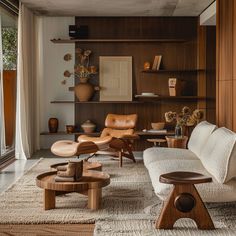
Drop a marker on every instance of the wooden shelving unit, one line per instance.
(171, 71)
(65, 133)
(140, 133)
(118, 40)
(139, 100)
(98, 102)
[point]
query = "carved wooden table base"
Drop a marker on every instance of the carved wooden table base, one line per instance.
(184, 201)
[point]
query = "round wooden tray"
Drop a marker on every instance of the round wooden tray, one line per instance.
(87, 165)
(90, 179)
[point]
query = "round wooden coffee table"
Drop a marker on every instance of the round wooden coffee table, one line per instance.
(91, 184)
(87, 165)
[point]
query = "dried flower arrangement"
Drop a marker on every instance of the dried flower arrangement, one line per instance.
(184, 118)
(82, 71)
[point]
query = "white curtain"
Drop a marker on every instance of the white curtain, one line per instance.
(27, 106)
(2, 119)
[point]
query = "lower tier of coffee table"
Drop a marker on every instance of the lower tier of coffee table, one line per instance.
(94, 198)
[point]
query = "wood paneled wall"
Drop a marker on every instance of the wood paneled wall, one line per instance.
(176, 55)
(226, 63)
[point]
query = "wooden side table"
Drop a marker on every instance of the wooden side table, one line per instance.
(174, 142)
(184, 201)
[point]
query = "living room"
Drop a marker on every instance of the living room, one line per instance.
(117, 117)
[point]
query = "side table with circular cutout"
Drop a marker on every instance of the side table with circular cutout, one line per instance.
(177, 142)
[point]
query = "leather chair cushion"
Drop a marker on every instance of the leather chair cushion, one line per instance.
(121, 121)
(101, 142)
(116, 133)
(65, 148)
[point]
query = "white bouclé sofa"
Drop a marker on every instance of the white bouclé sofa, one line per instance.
(211, 151)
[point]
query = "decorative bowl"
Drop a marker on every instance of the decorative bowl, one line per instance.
(158, 125)
(88, 126)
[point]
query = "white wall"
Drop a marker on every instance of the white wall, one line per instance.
(53, 67)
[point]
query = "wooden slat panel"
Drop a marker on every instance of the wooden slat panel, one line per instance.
(226, 59)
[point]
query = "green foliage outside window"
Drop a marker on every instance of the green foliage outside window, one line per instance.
(9, 48)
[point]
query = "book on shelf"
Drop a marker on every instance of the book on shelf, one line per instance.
(160, 131)
(157, 62)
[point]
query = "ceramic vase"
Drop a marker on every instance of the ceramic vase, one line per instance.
(84, 91)
(53, 125)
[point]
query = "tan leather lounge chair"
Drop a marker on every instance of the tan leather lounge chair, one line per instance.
(116, 138)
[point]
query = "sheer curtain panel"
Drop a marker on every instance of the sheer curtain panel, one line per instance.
(27, 107)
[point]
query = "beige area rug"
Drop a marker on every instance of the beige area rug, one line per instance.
(129, 205)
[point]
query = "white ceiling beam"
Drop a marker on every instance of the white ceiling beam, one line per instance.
(208, 17)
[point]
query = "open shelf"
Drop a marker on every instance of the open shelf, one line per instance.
(97, 102)
(142, 133)
(65, 133)
(169, 71)
(139, 100)
(118, 40)
(139, 132)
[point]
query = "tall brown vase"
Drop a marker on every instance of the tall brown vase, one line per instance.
(53, 125)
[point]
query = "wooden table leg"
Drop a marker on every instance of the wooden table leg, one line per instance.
(49, 199)
(94, 198)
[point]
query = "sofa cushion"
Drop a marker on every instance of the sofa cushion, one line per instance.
(154, 154)
(210, 192)
(199, 136)
(219, 155)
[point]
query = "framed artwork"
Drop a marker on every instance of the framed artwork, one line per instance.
(115, 78)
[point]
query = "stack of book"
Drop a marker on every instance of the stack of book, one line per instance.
(157, 62)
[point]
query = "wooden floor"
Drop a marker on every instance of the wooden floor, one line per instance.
(47, 229)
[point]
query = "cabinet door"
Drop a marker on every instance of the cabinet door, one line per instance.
(115, 75)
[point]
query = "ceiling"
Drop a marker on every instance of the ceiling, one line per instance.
(118, 7)
(7, 19)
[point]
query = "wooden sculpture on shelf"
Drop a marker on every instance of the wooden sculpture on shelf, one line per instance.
(71, 172)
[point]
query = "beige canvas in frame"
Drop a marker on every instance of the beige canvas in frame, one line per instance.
(115, 78)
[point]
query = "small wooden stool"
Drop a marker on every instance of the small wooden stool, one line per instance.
(155, 141)
(184, 201)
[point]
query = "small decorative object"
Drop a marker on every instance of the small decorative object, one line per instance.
(53, 125)
(69, 173)
(78, 32)
(88, 126)
(158, 125)
(183, 119)
(146, 65)
(70, 129)
(68, 57)
(157, 62)
(175, 87)
(67, 73)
